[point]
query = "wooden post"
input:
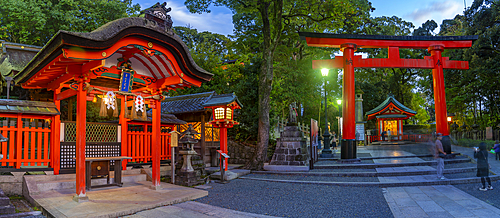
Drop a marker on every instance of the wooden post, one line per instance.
(156, 144)
(223, 143)
(124, 128)
(19, 142)
(202, 138)
(55, 145)
(81, 121)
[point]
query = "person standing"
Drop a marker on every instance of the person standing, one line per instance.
(483, 170)
(496, 147)
(440, 160)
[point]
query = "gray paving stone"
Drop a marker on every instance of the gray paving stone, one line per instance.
(414, 212)
(485, 213)
(470, 204)
(443, 214)
(413, 190)
(405, 202)
(420, 197)
(430, 206)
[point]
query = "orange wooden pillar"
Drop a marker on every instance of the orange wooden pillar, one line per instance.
(55, 145)
(19, 141)
(81, 116)
(439, 93)
(124, 128)
(348, 146)
(440, 96)
(155, 147)
(223, 144)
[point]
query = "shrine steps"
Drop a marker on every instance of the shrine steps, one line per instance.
(39, 184)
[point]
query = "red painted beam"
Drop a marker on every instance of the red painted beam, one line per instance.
(359, 62)
(66, 94)
(370, 43)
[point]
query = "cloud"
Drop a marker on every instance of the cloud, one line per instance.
(215, 22)
(436, 11)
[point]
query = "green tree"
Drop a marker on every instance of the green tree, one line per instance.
(269, 18)
(34, 22)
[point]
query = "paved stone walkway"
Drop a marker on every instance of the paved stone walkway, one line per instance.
(436, 201)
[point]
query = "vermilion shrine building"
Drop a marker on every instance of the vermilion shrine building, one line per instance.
(390, 115)
(127, 63)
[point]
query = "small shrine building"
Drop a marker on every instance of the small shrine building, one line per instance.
(390, 115)
(129, 64)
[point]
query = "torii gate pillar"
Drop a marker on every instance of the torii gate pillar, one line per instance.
(348, 144)
(440, 96)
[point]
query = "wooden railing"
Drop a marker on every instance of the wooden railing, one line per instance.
(29, 141)
(139, 142)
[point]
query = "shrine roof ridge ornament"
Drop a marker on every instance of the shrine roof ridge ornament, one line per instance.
(303, 36)
(106, 36)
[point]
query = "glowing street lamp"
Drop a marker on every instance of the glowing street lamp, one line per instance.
(326, 152)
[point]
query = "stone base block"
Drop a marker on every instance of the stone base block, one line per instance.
(80, 199)
(228, 175)
(188, 179)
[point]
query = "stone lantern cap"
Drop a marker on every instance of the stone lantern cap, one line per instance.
(188, 136)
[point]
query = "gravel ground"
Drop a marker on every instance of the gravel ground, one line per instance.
(314, 178)
(298, 200)
(490, 196)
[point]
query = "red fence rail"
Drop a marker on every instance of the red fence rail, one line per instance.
(29, 141)
(139, 139)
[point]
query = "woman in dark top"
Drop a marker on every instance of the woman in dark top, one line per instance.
(483, 166)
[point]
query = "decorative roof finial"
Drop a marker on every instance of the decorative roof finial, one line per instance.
(158, 13)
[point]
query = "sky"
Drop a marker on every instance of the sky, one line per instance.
(415, 11)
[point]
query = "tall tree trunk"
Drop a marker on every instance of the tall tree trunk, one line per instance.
(266, 77)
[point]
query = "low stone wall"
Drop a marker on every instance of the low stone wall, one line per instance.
(12, 184)
(239, 153)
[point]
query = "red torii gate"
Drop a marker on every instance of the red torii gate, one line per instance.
(348, 43)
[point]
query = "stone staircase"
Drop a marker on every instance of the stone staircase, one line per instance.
(5, 206)
(380, 171)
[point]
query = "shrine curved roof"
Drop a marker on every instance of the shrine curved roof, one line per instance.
(104, 38)
(384, 107)
(223, 99)
(186, 103)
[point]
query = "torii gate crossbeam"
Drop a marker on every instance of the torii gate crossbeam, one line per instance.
(349, 43)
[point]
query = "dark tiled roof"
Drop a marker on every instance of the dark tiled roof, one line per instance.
(222, 100)
(14, 56)
(185, 103)
(28, 107)
(168, 119)
(387, 101)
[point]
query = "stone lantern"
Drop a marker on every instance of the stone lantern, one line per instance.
(187, 150)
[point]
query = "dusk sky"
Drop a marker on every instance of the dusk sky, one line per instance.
(415, 11)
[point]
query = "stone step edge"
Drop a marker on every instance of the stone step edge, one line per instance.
(371, 166)
(385, 157)
(369, 174)
(382, 184)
